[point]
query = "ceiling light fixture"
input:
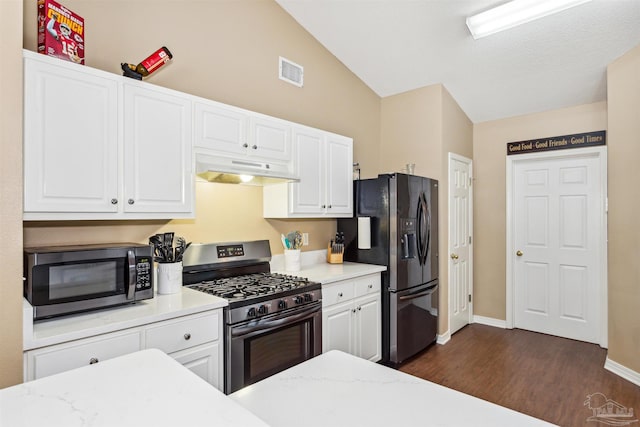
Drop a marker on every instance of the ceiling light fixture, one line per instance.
(515, 13)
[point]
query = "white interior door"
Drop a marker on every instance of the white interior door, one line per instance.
(559, 246)
(460, 254)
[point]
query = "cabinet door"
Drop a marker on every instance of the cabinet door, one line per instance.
(204, 361)
(368, 328)
(220, 129)
(339, 170)
(63, 357)
(157, 155)
(338, 328)
(270, 139)
(70, 139)
(308, 195)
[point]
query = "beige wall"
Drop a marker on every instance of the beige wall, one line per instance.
(11, 193)
(422, 126)
(623, 87)
(489, 152)
(226, 51)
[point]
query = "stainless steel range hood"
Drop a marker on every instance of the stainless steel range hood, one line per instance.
(242, 171)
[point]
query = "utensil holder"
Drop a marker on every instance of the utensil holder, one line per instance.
(333, 257)
(292, 259)
(169, 276)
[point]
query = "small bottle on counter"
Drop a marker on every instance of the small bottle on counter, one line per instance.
(149, 65)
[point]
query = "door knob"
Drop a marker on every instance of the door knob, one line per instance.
(519, 253)
(454, 256)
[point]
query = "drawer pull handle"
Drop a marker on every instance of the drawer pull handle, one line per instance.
(340, 295)
(93, 361)
(187, 336)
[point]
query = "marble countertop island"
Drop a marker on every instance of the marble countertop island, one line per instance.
(146, 388)
(337, 389)
(149, 388)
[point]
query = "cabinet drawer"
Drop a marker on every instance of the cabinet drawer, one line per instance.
(180, 334)
(367, 285)
(338, 292)
(64, 357)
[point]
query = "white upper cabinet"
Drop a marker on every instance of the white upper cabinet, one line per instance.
(99, 147)
(221, 129)
(70, 139)
(324, 163)
(232, 132)
(157, 151)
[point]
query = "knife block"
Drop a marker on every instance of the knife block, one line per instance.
(333, 257)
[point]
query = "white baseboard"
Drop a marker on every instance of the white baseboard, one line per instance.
(622, 371)
(444, 338)
(489, 321)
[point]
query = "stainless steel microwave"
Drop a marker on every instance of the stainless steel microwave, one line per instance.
(62, 280)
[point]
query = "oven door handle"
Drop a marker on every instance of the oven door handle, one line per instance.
(419, 294)
(270, 324)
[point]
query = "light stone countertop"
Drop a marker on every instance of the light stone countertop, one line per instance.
(337, 389)
(315, 267)
(73, 327)
(145, 388)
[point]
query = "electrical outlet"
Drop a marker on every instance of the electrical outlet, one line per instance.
(305, 239)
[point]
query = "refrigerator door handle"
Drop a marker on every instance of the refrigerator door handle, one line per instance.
(429, 291)
(423, 229)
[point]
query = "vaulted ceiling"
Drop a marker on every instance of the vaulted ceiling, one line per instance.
(395, 46)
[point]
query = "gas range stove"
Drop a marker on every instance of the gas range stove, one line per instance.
(239, 273)
(273, 320)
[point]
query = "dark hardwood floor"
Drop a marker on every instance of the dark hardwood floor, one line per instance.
(540, 375)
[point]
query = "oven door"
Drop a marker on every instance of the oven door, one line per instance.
(260, 348)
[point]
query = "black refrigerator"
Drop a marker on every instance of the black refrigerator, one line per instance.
(402, 212)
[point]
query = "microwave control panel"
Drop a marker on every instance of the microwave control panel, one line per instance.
(143, 273)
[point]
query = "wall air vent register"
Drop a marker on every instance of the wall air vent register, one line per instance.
(291, 72)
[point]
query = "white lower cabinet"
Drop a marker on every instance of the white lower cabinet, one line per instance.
(351, 317)
(204, 361)
(192, 340)
(63, 357)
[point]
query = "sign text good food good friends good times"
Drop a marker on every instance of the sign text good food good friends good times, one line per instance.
(563, 142)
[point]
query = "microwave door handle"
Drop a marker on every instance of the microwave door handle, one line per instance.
(131, 261)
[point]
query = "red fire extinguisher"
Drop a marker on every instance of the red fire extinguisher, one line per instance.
(148, 65)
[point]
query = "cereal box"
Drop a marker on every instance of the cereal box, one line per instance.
(60, 32)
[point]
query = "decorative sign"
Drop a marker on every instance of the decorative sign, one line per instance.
(563, 142)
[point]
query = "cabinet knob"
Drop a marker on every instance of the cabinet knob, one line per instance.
(353, 311)
(329, 206)
(359, 308)
(324, 206)
(370, 286)
(130, 201)
(245, 145)
(187, 336)
(114, 201)
(340, 295)
(93, 361)
(255, 147)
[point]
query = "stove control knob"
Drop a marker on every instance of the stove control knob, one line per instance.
(282, 304)
(308, 298)
(298, 299)
(262, 309)
(251, 312)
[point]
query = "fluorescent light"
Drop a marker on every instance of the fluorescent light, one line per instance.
(514, 13)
